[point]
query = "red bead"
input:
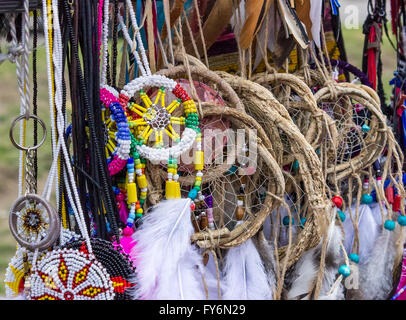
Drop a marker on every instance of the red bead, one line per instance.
(192, 206)
(389, 194)
(396, 204)
(338, 201)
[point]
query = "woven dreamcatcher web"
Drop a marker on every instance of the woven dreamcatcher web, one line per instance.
(261, 104)
(299, 101)
(224, 176)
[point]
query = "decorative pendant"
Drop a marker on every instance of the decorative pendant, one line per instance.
(70, 274)
(33, 222)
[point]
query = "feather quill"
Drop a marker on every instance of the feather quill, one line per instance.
(167, 263)
(244, 274)
(377, 272)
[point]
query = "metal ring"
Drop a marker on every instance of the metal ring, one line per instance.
(53, 229)
(18, 119)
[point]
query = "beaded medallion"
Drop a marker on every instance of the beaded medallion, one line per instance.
(69, 274)
(14, 279)
(117, 264)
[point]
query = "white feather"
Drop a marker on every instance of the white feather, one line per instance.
(267, 254)
(167, 263)
(244, 275)
(304, 274)
(335, 259)
(376, 213)
(377, 272)
(237, 20)
(315, 16)
(368, 231)
(210, 276)
(306, 269)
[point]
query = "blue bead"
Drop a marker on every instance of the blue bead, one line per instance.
(366, 199)
(130, 160)
(285, 221)
(390, 225)
(130, 224)
(130, 220)
(354, 257)
(192, 194)
(296, 165)
(131, 216)
(344, 270)
(365, 128)
(402, 220)
(341, 215)
(302, 221)
(232, 170)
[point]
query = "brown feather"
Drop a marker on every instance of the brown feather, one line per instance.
(253, 10)
(303, 12)
(176, 11)
(216, 22)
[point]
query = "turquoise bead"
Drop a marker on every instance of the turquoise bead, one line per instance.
(302, 221)
(390, 225)
(344, 270)
(296, 165)
(139, 215)
(354, 257)
(232, 170)
(131, 215)
(192, 194)
(365, 128)
(285, 221)
(402, 220)
(366, 199)
(341, 215)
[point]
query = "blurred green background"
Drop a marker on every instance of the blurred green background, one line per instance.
(9, 109)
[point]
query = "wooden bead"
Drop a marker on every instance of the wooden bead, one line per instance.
(239, 213)
(204, 222)
(206, 259)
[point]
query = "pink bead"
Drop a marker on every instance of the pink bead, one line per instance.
(127, 232)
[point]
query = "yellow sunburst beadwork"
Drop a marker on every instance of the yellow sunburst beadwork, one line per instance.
(155, 119)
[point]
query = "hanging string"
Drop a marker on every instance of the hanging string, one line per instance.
(199, 22)
(168, 27)
(103, 77)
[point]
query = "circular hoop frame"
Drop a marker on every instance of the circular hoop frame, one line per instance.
(54, 225)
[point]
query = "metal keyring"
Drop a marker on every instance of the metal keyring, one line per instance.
(18, 119)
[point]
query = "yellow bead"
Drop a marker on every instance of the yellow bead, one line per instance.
(132, 193)
(139, 211)
(199, 160)
(198, 178)
(142, 181)
(172, 190)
